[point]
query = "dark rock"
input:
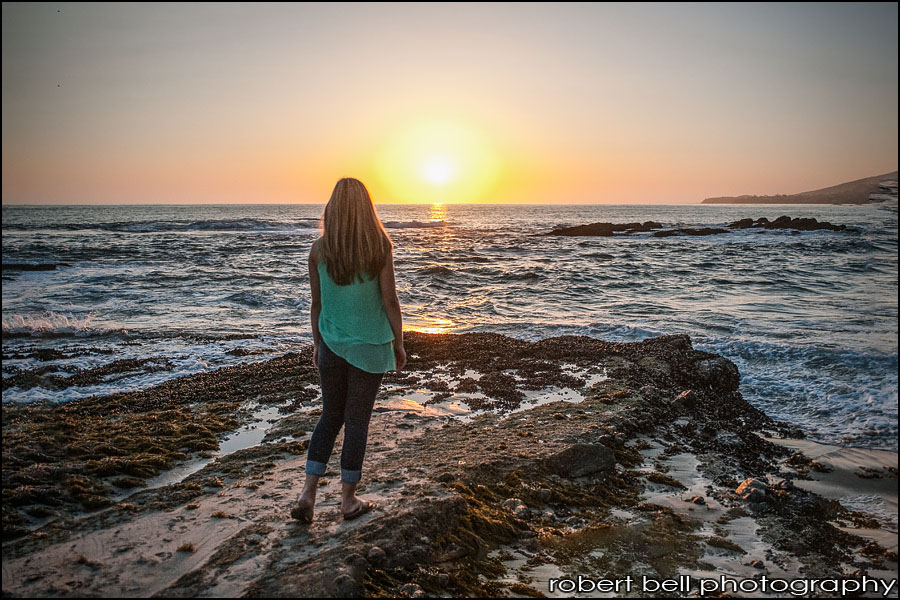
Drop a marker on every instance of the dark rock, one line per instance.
(582, 459)
(785, 222)
(606, 229)
(346, 586)
(757, 507)
(517, 507)
(376, 556)
(685, 400)
(752, 490)
(781, 222)
(742, 224)
(757, 564)
(719, 373)
(698, 500)
(356, 559)
(411, 556)
(689, 231)
(412, 590)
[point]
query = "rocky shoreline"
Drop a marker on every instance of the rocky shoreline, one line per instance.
(497, 464)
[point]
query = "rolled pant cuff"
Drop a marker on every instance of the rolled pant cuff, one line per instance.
(314, 467)
(348, 476)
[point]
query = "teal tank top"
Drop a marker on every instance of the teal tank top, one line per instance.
(354, 324)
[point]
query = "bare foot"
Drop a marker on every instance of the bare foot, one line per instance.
(303, 510)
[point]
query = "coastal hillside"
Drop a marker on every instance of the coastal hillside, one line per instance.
(861, 191)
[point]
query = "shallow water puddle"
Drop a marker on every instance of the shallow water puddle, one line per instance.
(252, 433)
(415, 402)
(457, 405)
(248, 435)
(541, 397)
(520, 573)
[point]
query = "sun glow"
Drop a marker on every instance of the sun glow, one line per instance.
(432, 325)
(437, 161)
(437, 170)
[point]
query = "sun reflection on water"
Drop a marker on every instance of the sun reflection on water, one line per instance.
(432, 325)
(438, 211)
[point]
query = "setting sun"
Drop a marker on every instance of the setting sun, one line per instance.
(437, 161)
(437, 170)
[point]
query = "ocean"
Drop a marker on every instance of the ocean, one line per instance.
(142, 294)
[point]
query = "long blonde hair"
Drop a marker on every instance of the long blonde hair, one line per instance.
(353, 239)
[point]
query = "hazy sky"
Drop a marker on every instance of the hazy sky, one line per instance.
(501, 103)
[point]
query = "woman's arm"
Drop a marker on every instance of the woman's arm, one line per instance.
(392, 308)
(316, 307)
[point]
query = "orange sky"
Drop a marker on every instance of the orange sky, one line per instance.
(149, 103)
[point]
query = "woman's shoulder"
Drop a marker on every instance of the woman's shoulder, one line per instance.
(314, 250)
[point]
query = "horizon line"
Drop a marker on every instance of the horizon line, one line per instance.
(376, 203)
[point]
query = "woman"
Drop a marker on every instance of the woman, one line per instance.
(357, 337)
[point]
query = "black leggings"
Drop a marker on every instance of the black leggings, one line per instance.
(348, 395)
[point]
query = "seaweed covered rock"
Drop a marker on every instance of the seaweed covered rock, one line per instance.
(581, 459)
(719, 373)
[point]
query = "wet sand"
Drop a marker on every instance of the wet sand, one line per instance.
(496, 464)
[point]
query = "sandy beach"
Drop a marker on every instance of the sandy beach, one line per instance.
(499, 467)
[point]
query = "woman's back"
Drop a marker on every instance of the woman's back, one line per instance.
(353, 322)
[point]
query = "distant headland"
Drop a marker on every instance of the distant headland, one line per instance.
(862, 191)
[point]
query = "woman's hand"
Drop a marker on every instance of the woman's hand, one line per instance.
(400, 356)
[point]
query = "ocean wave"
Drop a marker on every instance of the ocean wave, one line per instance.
(436, 270)
(247, 298)
(51, 324)
(415, 224)
(526, 275)
(176, 226)
(838, 395)
(250, 225)
(534, 331)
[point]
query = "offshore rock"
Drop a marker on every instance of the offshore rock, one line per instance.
(785, 222)
(689, 231)
(607, 229)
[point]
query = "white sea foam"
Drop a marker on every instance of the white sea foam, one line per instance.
(49, 324)
(414, 224)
